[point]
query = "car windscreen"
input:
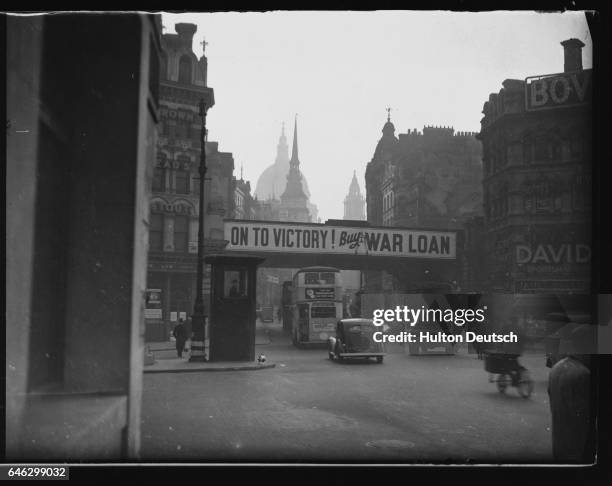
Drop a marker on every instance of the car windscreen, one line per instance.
(323, 311)
(359, 337)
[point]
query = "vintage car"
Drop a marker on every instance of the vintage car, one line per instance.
(354, 339)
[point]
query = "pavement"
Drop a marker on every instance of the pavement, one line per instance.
(309, 409)
(165, 360)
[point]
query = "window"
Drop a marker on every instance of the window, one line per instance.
(194, 132)
(501, 155)
(159, 179)
(543, 200)
(195, 181)
(323, 311)
(556, 151)
(164, 65)
(527, 150)
(388, 204)
(235, 283)
(182, 130)
(576, 146)
(154, 73)
(185, 70)
(171, 129)
(181, 226)
(181, 182)
(165, 130)
(541, 149)
(156, 232)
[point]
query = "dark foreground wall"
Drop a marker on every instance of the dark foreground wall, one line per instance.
(82, 116)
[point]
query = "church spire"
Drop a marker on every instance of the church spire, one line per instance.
(282, 149)
(294, 150)
(354, 202)
(294, 189)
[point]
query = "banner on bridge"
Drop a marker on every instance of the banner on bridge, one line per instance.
(258, 236)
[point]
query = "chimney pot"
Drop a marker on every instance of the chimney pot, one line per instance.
(572, 53)
(186, 33)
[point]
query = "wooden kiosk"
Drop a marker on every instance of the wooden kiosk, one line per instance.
(232, 307)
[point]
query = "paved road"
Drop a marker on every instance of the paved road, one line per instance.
(410, 408)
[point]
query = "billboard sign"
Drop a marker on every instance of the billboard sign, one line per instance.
(259, 236)
(319, 293)
(558, 90)
(153, 304)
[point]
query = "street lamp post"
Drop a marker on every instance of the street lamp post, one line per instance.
(198, 319)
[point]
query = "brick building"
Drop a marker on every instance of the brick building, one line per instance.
(429, 179)
(536, 136)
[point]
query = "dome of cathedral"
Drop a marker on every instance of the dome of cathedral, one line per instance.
(273, 180)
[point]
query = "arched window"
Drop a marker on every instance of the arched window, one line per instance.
(184, 70)
(159, 179)
(156, 232)
(181, 179)
(181, 228)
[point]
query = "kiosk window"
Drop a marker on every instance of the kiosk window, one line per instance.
(235, 284)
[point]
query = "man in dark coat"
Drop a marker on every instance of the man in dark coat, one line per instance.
(180, 334)
(569, 391)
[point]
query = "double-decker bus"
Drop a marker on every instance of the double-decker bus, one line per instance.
(316, 305)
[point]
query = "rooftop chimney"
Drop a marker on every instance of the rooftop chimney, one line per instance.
(572, 49)
(186, 32)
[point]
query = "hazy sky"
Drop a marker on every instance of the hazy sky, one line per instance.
(340, 70)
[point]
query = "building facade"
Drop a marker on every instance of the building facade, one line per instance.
(536, 136)
(244, 204)
(429, 179)
(173, 240)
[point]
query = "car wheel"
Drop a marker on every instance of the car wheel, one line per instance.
(379, 359)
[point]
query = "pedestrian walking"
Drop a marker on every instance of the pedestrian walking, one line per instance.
(180, 334)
